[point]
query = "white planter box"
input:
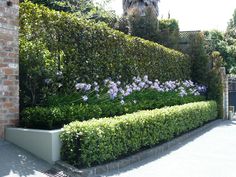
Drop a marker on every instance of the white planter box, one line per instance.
(45, 144)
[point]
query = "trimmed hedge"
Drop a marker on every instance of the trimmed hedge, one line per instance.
(98, 141)
(57, 116)
(86, 51)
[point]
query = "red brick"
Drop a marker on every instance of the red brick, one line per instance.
(8, 71)
(9, 99)
(14, 121)
(8, 82)
(8, 105)
(2, 122)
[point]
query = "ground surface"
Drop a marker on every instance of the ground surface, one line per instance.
(211, 154)
(15, 162)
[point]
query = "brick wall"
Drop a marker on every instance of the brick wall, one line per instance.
(9, 89)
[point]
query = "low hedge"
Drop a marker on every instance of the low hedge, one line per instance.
(98, 141)
(57, 116)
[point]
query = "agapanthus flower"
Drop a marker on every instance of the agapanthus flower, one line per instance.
(59, 73)
(201, 88)
(87, 87)
(182, 92)
(85, 98)
(145, 78)
(118, 82)
(95, 84)
(48, 81)
(96, 88)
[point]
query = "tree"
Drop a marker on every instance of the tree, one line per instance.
(82, 8)
(144, 26)
(141, 5)
(225, 44)
(230, 38)
(231, 28)
(142, 18)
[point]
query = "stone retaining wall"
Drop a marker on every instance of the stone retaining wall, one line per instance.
(9, 68)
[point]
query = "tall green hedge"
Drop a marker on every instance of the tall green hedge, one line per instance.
(98, 141)
(88, 51)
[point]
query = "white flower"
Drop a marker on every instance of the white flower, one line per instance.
(85, 98)
(96, 88)
(48, 81)
(58, 73)
(145, 78)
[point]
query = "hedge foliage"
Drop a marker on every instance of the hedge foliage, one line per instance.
(57, 116)
(86, 51)
(201, 62)
(169, 33)
(98, 141)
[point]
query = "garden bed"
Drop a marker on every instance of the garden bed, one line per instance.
(45, 144)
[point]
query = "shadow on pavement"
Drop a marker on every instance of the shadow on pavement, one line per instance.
(14, 161)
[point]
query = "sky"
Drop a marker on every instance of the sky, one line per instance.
(192, 15)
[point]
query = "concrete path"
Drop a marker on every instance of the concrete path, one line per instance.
(15, 162)
(211, 154)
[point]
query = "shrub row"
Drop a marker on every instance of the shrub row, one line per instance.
(57, 116)
(85, 51)
(98, 141)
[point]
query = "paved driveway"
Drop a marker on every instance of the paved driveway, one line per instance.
(212, 154)
(15, 162)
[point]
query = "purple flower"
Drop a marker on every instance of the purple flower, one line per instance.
(141, 84)
(121, 91)
(182, 92)
(170, 85)
(87, 87)
(112, 93)
(201, 89)
(188, 83)
(137, 79)
(80, 86)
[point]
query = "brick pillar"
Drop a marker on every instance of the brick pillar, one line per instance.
(9, 68)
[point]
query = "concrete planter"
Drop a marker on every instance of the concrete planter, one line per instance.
(45, 144)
